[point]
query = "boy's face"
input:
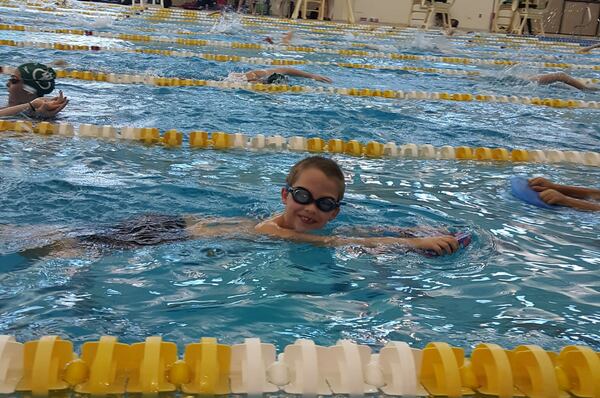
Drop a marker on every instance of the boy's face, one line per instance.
(302, 218)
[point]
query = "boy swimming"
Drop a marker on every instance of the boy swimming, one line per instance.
(312, 197)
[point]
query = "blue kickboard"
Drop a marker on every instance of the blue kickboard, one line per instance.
(519, 187)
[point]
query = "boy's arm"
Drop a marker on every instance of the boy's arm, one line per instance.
(554, 197)
(439, 244)
(541, 184)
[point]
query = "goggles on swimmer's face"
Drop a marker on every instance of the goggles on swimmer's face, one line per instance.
(13, 80)
(304, 197)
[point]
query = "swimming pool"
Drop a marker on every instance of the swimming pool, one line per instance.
(530, 276)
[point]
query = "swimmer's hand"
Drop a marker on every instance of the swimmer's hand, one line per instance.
(323, 79)
(553, 197)
(440, 245)
(540, 184)
(49, 107)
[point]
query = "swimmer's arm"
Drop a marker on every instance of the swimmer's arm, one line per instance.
(440, 244)
(287, 38)
(554, 197)
(587, 49)
(299, 73)
(579, 192)
(583, 204)
(15, 110)
(541, 184)
(550, 78)
(218, 227)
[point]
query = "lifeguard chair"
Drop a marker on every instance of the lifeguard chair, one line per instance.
(307, 6)
(533, 10)
(504, 17)
(429, 9)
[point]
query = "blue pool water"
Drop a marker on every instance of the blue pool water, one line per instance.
(530, 275)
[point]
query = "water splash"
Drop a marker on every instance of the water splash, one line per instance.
(228, 23)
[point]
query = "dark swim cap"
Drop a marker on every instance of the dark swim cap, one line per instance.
(277, 78)
(37, 78)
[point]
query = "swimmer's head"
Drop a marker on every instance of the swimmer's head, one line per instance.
(28, 82)
(314, 188)
(454, 23)
(37, 78)
(328, 167)
(276, 78)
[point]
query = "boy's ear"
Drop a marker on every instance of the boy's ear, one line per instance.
(284, 195)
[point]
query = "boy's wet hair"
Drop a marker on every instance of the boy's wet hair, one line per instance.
(454, 23)
(327, 166)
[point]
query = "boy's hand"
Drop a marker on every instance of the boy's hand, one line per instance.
(540, 184)
(445, 244)
(553, 197)
(323, 79)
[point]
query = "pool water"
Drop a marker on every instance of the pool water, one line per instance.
(530, 275)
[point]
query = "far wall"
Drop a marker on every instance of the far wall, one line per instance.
(471, 14)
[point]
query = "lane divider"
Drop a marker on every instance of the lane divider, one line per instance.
(304, 49)
(326, 27)
(474, 52)
(319, 90)
(207, 368)
(249, 60)
(237, 141)
(351, 43)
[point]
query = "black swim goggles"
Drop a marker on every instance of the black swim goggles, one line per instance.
(304, 197)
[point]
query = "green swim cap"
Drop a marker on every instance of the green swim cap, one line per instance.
(37, 78)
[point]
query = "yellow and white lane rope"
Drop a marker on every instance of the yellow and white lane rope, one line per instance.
(319, 90)
(154, 367)
(512, 42)
(372, 149)
(327, 25)
(348, 42)
(249, 60)
(255, 60)
(258, 46)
